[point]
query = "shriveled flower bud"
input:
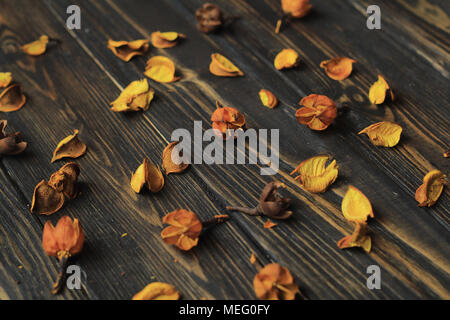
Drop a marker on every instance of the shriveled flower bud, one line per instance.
(209, 18)
(10, 144)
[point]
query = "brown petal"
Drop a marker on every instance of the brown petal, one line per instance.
(209, 18)
(168, 156)
(148, 173)
(126, 50)
(46, 200)
(69, 147)
(66, 179)
(12, 98)
(10, 144)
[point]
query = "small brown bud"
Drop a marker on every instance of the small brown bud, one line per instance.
(209, 18)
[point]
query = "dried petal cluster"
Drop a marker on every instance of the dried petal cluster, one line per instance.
(318, 112)
(183, 230)
(287, 58)
(268, 99)
(126, 50)
(158, 291)
(274, 282)
(379, 90)
(5, 79)
(49, 197)
(135, 97)
(209, 18)
(296, 8)
(12, 98)
(431, 189)
(66, 238)
(222, 67)
(313, 174)
(69, 147)
(172, 162)
(225, 118)
(12, 143)
(37, 47)
(338, 68)
(163, 40)
(147, 173)
(385, 133)
(161, 69)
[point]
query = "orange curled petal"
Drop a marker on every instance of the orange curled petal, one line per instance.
(222, 67)
(296, 8)
(157, 291)
(269, 224)
(287, 58)
(377, 92)
(318, 112)
(268, 99)
(37, 47)
(135, 97)
(274, 282)
(154, 178)
(69, 147)
(161, 69)
(338, 68)
(12, 98)
(171, 160)
(184, 229)
(431, 189)
(385, 134)
(357, 239)
(164, 40)
(46, 200)
(5, 79)
(313, 174)
(355, 206)
(65, 179)
(126, 50)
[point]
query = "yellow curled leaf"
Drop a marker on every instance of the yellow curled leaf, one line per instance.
(5, 79)
(138, 178)
(287, 58)
(268, 99)
(12, 98)
(338, 68)
(431, 189)
(313, 174)
(377, 92)
(222, 67)
(69, 147)
(125, 50)
(171, 162)
(165, 39)
(355, 206)
(359, 238)
(36, 48)
(161, 69)
(385, 133)
(158, 291)
(135, 97)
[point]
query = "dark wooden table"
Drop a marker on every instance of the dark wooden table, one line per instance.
(71, 86)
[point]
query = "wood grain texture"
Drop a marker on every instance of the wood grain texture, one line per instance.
(77, 80)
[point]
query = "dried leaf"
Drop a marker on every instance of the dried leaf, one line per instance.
(69, 147)
(46, 200)
(359, 238)
(318, 112)
(184, 229)
(268, 99)
(274, 282)
(171, 161)
(269, 224)
(164, 40)
(385, 134)
(158, 291)
(65, 180)
(10, 144)
(296, 8)
(148, 173)
(338, 68)
(377, 92)
(222, 67)
(224, 118)
(313, 174)
(126, 50)
(36, 48)
(5, 79)
(209, 18)
(287, 58)
(355, 206)
(66, 238)
(431, 189)
(135, 97)
(12, 98)
(161, 69)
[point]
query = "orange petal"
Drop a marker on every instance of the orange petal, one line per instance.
(5, 79)
(296, 8)
(287, 58)
(46, 200)
(161, 69)
(431, 189)
(377, 92)
(318, 112)
(355, 206)
(165, 39)
(338, 68)
(12, 98)
(269, 224)
(357, 239)
(268, 98)
(315, 177)
(69, 147)
(157, 291)
(126, 50)
(36, 48)
(148, 173)
(222, 67)
(253, 258)
(171, 162)
(385, 134)
(135, 97)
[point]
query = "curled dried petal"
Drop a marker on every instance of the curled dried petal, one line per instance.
(296, 8)
(164, 40)
(268, 98)
(338, 68)
(184, 229)
(287, 58)
(225, 118)
(5, 79)
(46, 200)
(313, 174)
(66, 237)
(65, 180)
(126, 50)
(318, 112)
(377, 92)
(69, 147)
(222, 67)
(135, 97)
(36, 48)
(148, 173)
(355, 206)
(209, 18)
(274, 282)
(157, 291)
(431, 189)
(269, 224)
(171, 160)
(385, 134)
(10, 144)
(359, 238)
(161, 69)
(12, 98)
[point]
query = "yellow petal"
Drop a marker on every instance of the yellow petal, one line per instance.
(385, 134)
(135, 97)
(268, 98)
(158, 291)
(431, 189)
(315, 177)
(287, 58)
(36, 48)
(377, 92)
(355, 206)
(222, 67)
(357, 239)
(138, 179)
(69, 147)
(148, 173)
(5, 79)
(161, 69)
(165, 39)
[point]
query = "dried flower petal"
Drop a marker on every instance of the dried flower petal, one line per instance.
(184, 229)
(225, 118)
(161, 69)
(377, 92)
(135, 97)
(359, 238)
(431, 189)
(269, 224)
(5, 79)
(168, 157)
(253, 258)
(12, 98)
(164, 40)
(385, 134)
(69, 147)
(126, 50)
(274, 282)
(67, 237)
(148, 173)
(314, 176)
(338, 68)
(46, 200)
(36, 48)
(446, 154)
(287, 58)
(296, 8)
(355, 206)
(222, 67)
(10, 144)
(318, 112)
(157, 291)
(268, 98)
(65, 180)
(209, 18)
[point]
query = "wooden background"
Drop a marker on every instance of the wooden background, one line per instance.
(71, 86)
